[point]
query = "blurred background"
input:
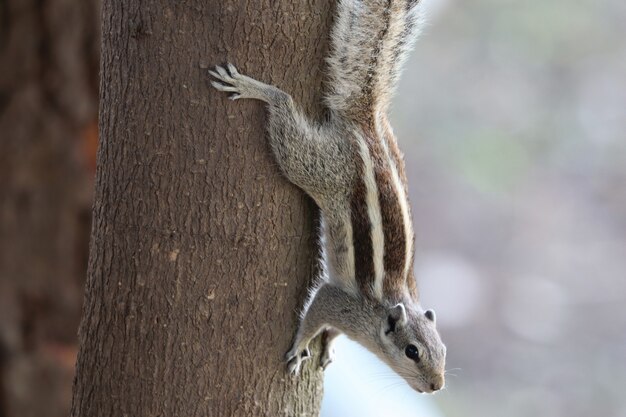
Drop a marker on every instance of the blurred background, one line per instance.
(512, 117)
(49, 52)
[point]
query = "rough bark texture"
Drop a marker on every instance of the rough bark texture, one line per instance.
(201, 251)
(48, 98)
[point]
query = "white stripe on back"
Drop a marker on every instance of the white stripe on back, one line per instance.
(375, 216)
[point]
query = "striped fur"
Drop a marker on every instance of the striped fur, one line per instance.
(381, 224)
(367, 232)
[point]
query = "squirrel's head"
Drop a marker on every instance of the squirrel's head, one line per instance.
(411, 346)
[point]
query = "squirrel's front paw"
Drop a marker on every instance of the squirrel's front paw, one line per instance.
(295, 359)
(327, 357)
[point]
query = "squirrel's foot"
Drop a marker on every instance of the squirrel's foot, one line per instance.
(238, 85)
(295, 359)
(328, 347)
(328, 356)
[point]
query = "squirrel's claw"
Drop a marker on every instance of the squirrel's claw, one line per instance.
(293, 366)
(295, 359)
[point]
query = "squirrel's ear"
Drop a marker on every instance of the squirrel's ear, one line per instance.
(397, 317)
(430, 315)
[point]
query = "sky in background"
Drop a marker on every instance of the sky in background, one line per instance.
(512, 116)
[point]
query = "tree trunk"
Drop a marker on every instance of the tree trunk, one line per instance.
(48, 99)
(201, 251)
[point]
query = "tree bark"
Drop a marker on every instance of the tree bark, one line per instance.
(48, 98)
(201, 252)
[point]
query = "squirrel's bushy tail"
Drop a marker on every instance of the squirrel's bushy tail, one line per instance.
(369, 43)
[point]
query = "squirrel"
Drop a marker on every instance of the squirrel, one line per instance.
(351, 166)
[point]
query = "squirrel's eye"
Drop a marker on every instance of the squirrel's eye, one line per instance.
(412, 353)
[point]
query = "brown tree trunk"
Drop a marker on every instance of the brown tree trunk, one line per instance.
(201, 251)
(48, 98)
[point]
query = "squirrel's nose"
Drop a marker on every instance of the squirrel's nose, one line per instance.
(437, 383)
